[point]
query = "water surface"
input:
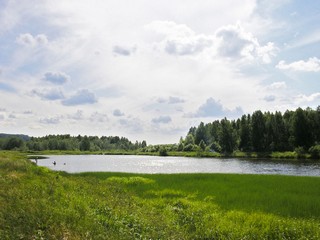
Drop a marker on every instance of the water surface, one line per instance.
(155, 164)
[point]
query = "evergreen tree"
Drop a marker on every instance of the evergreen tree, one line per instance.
(227, 139)
(258, 131)
(200, 134)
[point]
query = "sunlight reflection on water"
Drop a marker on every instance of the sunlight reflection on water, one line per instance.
(154, 164)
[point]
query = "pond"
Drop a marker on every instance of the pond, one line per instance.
(155, 164)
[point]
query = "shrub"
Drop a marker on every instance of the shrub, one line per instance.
(315, 151)
(188, 148)
(163, 151)
(300, 152)
(215, 147)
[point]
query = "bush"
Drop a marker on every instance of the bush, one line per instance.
(215, 147)
(188, 148)
(163, 151)
(300, 152)
(315, 151)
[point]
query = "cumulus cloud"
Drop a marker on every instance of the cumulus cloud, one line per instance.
(277, 85)
(308, 98)
(118, 113)
(81, 97)
(133, 125)
(12, 116)
(48, 94)
(28, 112)
(236, 43)
(99, 117)
(124, 51)
(50, 120)
(230, 41)
(170, 100)
(269, 98)
(312, 65)
(175, 100)
(162, 119)
(179, 39)
(77, 115)
(213, 108)
(28, 40)
(58, 78)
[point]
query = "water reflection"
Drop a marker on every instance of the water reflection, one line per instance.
(153, 164)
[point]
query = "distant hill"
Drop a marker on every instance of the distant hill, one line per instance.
(22, 136)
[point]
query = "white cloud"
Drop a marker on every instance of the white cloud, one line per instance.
(269, 98)
(48, 94)
(28, 40)
(162, 119)
(81, 97)
(170, 100)
(56, 77)
(236, 43)
(118, 113)
(277, 85)
(99, 117)
(132, 125)
(312, 65)
(175, 100)
(28, 112)
(179, 39)
(76, 116)
(50, 120)
(230, 41)
(302, 98)
(180, 62)
(124, 51)
(213, 108)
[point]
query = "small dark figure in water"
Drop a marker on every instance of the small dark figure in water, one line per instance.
(54, 163)
(64, 164)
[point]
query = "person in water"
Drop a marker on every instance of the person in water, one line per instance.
(54, 163)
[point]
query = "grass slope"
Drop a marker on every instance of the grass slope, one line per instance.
(40, 204)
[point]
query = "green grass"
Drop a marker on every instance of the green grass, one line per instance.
(286, 196)
(37, 203)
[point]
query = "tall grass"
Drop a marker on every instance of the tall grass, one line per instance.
(287, 196)
(37, 203)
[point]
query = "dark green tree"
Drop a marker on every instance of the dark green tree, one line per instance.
(202, 145)
(245, 133)
(301, 130)
(85, 144)
(258, 131)
(200, 134)
(227, 139)
(13, 143)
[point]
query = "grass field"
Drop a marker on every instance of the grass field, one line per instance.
(37, 203)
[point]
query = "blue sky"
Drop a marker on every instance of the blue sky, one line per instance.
(149, 70)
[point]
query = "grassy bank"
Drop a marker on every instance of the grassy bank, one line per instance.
(40, 204)
(237, 154)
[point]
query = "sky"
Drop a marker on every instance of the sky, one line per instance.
(150, 70)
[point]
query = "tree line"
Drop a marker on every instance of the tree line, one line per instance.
(297, 130)
(69, 143)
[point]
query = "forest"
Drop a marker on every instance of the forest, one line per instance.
(69, 143)
(297, 131)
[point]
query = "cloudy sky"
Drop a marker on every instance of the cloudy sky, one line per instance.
(149, 70)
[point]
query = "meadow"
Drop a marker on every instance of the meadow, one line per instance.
(37, 203)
